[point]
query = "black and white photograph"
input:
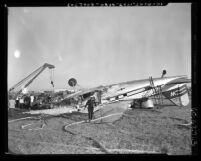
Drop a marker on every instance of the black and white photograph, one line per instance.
(99, 80)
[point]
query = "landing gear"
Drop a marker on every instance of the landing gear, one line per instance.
(142, 103)
(136, 104)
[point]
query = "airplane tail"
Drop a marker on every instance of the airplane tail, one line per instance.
(178, 94)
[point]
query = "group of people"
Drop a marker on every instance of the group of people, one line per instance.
(25, 101)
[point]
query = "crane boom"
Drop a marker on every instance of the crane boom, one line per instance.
(35, 74)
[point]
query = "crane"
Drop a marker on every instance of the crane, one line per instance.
(31, 77)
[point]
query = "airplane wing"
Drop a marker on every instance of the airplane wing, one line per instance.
(142, 88)
(85, 92)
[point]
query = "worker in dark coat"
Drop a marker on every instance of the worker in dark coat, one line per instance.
(90, 105)
(27, 101)
(17, 102)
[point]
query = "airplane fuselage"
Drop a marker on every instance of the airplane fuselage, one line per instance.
(136, 89)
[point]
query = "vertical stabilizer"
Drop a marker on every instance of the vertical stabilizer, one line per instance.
(178, 94)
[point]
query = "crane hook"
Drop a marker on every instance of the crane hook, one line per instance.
(52, 83)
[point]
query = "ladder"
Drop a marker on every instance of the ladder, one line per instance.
(157, 93)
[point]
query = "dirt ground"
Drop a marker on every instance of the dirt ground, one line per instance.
(156, 130)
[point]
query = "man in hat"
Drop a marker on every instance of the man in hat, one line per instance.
(90, 105)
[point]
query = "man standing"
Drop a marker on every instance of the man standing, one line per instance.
(27, 101)
(32, 100)
(17, 102)
(90, 104)
(21, 102)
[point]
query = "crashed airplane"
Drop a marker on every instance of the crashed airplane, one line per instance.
(170, 87)
(135, 93)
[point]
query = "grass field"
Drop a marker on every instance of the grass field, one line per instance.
(149, 130)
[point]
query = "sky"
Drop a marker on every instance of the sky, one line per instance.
(98, 45)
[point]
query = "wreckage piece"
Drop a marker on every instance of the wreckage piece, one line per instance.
(41, 120)
(28, 125)
(72, 82)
